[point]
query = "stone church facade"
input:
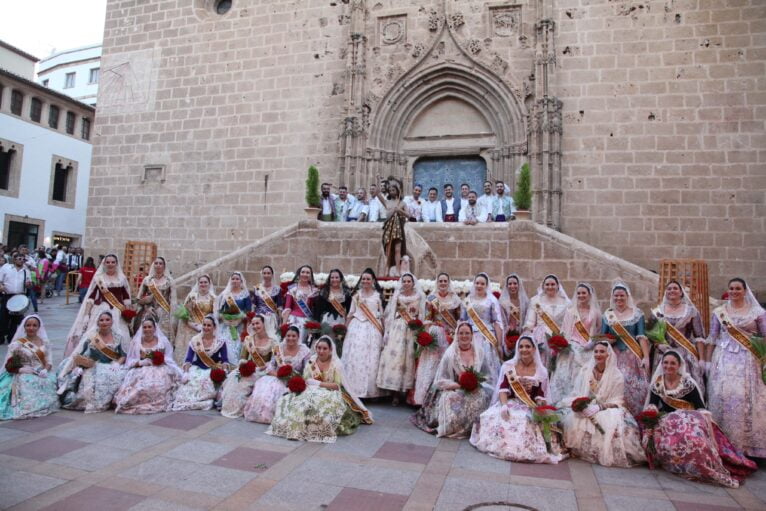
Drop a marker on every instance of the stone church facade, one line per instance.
(642, 121)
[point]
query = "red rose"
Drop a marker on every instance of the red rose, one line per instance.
(415, 324)
(725, 296)
(158, 357)
(283, 329)
(545, 408)
(425, 339)
(128, 314)
(339, 328)
(296, 384)
(284, 371)
(468, 381)
(247, 368)
(580, 404)
(218, 375)
(511, 340)
(557, 343)
(648, 418)
(313, 326)
(250, 315)
(496, 294)
(11, 366)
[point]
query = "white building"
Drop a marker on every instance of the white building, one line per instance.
(45, 161)
(17, 61)
(73, 72)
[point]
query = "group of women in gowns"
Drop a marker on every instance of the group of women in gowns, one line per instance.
(607, 360)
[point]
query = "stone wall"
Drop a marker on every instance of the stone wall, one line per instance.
(663, 139)
(527, 248)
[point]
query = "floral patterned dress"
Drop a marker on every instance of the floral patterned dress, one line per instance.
(736, 392)
(636, 379)
(262, 402)
(396, 370)
(316, 414)
(188, 328)
(92, 389)
(24, 396)
(517, 438)
(688, 443)
(689, 323)
(541, 331)
(237, 389)
(570, 362)
(362, 346)
(164, 316)
(488, 309)
(197, 391)
(147, 389)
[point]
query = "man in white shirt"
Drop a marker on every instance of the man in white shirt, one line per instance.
(485, 201)
(343, 204)
(432, 208)
(465, 188)
(377, 211)
(472, 214)
(360, 210)
(415, 204)
(15, 279)
(450, 205)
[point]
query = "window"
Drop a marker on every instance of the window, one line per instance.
(6, 159)
(85, 132)
(46, 82)
(17, 98)
(36, 110)
(69, 81)
(70, 118)
(53, 117)
(60, 179)
(22, 233)
(94, 75)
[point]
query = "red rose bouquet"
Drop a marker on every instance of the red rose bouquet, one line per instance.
(247, 369)
(13, 364)
(339, 331)
(128, 314)
(285, 372)
(580, 404)
(283, 329)
(511, 338)
(296, 384)
(558, 344)
(313, 326)
(218, 375)
(424, 341)
(648, 420)
(469, 380)
(546, 417)
(157, 357)
(415, 325)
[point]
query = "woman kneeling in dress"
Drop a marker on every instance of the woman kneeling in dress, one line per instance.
(604, 432)
(152, 373)
(27, 384)
(206, 357)
(450, 409)
(687, 441)
(324, 409)
(506, 430)
(262, 402)
(89, 378)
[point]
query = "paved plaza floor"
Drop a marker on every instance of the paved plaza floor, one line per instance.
(200, 460)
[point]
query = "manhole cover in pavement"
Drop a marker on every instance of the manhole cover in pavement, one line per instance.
(499, 506)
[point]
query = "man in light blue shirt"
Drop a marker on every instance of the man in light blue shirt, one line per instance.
(502, 205)
(343, 204)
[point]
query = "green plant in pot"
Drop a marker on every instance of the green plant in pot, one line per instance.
(313, 199)
(522, 197)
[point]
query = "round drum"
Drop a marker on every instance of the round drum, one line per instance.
(17, 305)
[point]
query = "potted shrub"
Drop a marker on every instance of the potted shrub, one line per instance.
(313, 200)
(522, 197)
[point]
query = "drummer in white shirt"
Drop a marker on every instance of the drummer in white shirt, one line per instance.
(432, 208)
(15, 279)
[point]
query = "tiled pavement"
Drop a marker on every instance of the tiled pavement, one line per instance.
(200, 460)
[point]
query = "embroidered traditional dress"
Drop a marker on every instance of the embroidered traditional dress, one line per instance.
(634, 374)
(147, 388)
(620, 443)
(197, 307)
(318, 414)
(162, 291)
(570, 362)
(688, 443)
(237, 388)
(298, 301)
(736, 392)
(196, 390)
(688, 322)
(363, 344)
(232, 308)
(517, 437)
(442, 316)
(261, 404)
(451, 413)
(488, 309)
(396, 370)
(514, 309)
(264, 303)
(24, 396)
(92, 389)
(541, 330)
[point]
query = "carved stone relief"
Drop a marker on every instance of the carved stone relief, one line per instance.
(505, 21)
(392, 30)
